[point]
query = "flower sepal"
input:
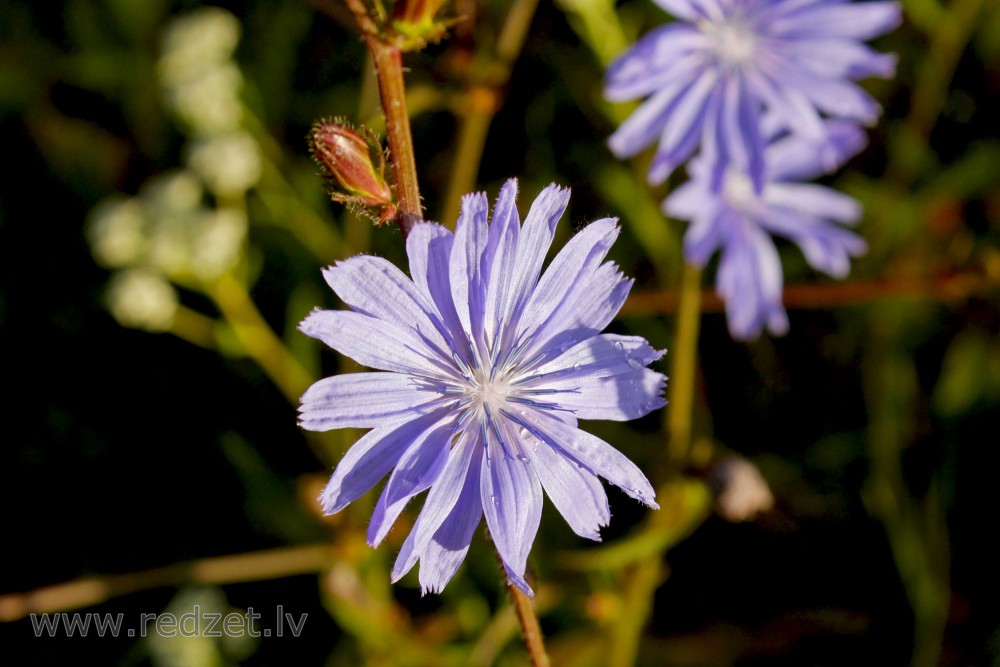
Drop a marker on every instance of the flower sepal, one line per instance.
(415, 23)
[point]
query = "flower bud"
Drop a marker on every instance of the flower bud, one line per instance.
(415, 22)
(347, 160)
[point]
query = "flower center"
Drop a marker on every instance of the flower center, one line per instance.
(733, 39)
(490, 394)
(737, 189)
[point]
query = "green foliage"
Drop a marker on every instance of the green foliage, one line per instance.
(873, 421)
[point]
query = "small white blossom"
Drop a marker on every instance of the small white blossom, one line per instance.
(142, 299)
(229, 164)
(199, 40)
(116, 232)
(218, 241)
(209, 103)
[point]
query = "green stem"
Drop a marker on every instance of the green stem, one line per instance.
(472, 131)
(195, 328)
(258, 338)
(483, 102)
(950, 37)
(916, 528)
(637, 598)
(684, 364)
(648, 573)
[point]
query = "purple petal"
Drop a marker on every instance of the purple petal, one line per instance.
(841, 58)
(703, 237)
(578, 258)
(574, 490)
(370, 459)
(532, 245)
(646, 123)
(598, 456)
(503, 237)
(711, 9)
(797, 158)
(374, 343)
(441, 500)
(605, 353)
(374, 286)
(684, 128)
(468, 279)
(603, 377)
(815, 200)
(654, 62)
(837, 97)
(684, 9)
(686, 201)
(745, 124)
(446, 550)
(590, 307)
(512, 502)
(856, 20)
(416, 470)
(363, 400)
(788, 102)
(621, 397)
(429, 247)
(750, 281)
(715, 155)
(826, 246)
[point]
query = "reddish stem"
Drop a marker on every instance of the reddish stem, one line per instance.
(392, 91)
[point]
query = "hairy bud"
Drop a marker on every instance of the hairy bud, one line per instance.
(348, 161)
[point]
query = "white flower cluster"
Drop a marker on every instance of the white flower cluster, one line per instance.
(200, 80)
(167, 228)
(142, 299)
(169, 233)
(165, 232)
(201, 85)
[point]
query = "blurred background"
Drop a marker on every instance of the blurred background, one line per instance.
(162, 230)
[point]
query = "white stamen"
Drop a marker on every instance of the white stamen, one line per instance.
(734, 41)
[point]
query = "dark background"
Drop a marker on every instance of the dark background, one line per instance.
(125, 450)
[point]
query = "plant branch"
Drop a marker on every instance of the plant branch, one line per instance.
(948, 288)
(89, 591)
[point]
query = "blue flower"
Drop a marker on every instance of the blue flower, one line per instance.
(739, 221)
(484, 366)
(710, 77)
